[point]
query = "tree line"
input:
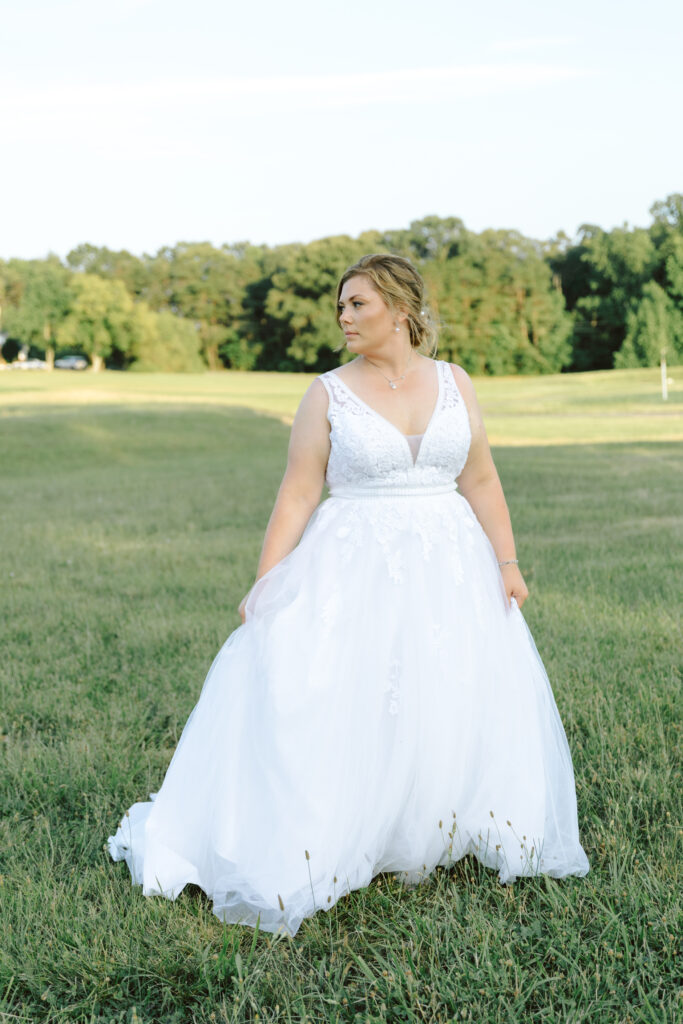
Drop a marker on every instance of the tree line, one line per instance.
(503, 303)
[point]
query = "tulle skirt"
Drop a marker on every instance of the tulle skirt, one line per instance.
(381, 709)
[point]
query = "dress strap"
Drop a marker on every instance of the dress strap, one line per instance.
(325, 379)
(341, 399)
(451, 392)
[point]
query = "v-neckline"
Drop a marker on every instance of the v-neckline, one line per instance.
(393, 425)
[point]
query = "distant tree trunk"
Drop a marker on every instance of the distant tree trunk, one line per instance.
(212, 359)
(49, 348)
(97, 362)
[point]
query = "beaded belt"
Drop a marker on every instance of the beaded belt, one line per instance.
(391, 492)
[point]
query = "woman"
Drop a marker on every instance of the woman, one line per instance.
(382, 707)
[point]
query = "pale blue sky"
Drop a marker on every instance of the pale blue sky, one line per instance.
(142, 123)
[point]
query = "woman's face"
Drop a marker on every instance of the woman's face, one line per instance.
(364, 316)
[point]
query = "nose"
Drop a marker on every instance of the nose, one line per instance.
(344, 317)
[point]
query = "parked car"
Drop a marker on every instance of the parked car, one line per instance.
(71, 363)
(28, 364)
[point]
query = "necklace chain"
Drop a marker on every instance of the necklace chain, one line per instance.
(391, 381)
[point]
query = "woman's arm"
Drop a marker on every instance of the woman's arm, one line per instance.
(480, 484)
(302, 483)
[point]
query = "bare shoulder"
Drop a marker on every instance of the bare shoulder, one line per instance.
(312, 408)
(315, 396)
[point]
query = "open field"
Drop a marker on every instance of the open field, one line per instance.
(585, 408)
(132, 510)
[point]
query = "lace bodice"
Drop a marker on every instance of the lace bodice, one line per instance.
(369, 451)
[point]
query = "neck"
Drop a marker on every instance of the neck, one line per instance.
(394, 364)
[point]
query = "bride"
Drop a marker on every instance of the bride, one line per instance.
(382, 706)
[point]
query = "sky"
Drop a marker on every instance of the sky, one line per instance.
(138, 124)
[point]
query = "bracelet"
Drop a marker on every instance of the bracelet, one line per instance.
(510, 561)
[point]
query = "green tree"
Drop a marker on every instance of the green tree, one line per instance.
(654, 327)
(616, 265)
(103, 321)
(431, 239)
(667, 215)
(164, 342)
(654, 313)
(266, 335)
(667, 235)
(41, 302)
(10, 297)
(110, 264)
(499, 309)
(301, 300)
(204, 285)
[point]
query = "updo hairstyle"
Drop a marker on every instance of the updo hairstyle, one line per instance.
(402, 289)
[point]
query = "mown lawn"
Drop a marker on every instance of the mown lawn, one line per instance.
(131, 525)
(580, 408)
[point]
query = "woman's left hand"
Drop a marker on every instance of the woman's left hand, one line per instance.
(514, 584)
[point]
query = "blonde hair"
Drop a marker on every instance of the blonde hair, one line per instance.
(402, 289)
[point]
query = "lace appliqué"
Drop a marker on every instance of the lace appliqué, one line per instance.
(368, 449)
(389, 524)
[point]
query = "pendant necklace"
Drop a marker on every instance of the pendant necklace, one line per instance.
(391, 381)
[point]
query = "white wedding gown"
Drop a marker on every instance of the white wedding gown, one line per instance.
(381, 709)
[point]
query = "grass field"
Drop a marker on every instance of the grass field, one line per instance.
(133, 509)
(583, 408)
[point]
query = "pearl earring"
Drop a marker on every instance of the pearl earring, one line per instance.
(397, 329)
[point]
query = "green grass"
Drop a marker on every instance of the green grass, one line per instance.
(582, 408)
(130, 530)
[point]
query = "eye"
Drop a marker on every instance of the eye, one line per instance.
(358, 303)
